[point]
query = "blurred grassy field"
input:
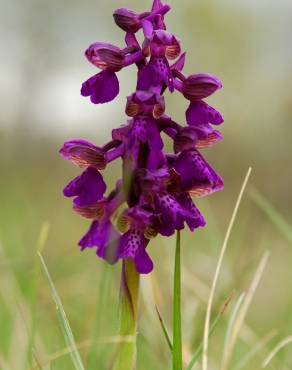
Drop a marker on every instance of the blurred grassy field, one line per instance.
(247, 45)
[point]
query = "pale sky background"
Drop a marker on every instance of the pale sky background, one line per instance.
(42, 64)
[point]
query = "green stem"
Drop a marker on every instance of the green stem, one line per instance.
(128, 317)
(177, 338)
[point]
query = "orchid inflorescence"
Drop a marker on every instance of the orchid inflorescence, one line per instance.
(156, 187)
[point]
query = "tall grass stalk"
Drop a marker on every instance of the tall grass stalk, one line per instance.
(64, 323)
(217, 271)
(238, 322)
(94, 356)
(213, 326)
(255, 350)
(126, 359)
(41, 241)
(278, 347)
(231, 322)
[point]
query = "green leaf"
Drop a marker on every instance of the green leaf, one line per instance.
(177, 340)
(64, 323)
(126, 359)
(164, 330)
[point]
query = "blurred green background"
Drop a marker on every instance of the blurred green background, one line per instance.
(245, 43)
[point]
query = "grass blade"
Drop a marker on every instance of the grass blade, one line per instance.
(95, 356)
(243, 310)
(258, 347)
(67, 332)
(217, 271)
(277, 219)
(164, 330)
(199, 350)
(41, 241)
(278, 347)
(177, 340)
(231, 322)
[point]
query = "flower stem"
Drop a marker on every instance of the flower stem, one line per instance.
(128, 317)
(177, 338)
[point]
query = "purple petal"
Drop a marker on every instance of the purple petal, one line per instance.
(155, 76)
(102, 88)
(143, 262)
(172, 214)
(185, 139)
(207, 136)
(194, 219)
(179, 64)
(197, 176)
(102, 235)
(147, 29)
(157, 4)
(132, 246)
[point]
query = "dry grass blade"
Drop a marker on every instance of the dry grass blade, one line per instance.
(199, 350)
(218, 267)
(255, 350)
(14, 301)
(243, 311)
(68, 335)
(231, 322)
(278, 347)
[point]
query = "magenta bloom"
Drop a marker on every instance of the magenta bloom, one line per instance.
(155, 194)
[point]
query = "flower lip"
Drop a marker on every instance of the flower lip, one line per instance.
(102, 87)
(197, 176)
(105, 56)
(200, 113)
(87, 189)
(199, 86)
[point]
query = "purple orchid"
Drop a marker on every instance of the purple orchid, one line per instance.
(156, 187)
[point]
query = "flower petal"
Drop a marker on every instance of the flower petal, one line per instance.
(200, 112)
(133, 244)
(197, 176)
(101, 88)
(87, 188)
(102, 235)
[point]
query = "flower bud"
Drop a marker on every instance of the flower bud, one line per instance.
(127, 20)
(105, 56)
(83, 154)
(199, 86)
